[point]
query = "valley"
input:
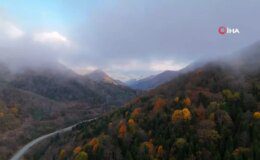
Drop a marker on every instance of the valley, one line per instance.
(190, 117)
(129, 80)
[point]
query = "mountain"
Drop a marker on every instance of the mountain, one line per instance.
(37, 101)
(25, 115)
(212, 112)
(67, 86)
(101, 76)
(4, 73)
(154, 81)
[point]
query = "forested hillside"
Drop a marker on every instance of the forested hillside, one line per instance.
(36, 102)
(210, 113)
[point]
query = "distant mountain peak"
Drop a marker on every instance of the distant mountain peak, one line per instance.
(101, 76)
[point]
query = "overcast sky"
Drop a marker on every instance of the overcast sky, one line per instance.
(126, 38)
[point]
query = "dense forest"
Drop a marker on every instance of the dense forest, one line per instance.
(212, 112)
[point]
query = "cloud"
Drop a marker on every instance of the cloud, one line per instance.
(50, 37)
(166, 65)
(13, 32)
(166, 34)
(21, 50)
(167, 29)
(136, 38)
(10, 30)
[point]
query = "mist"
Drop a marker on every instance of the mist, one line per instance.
(127, 39)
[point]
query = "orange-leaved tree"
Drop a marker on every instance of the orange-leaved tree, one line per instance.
(131, 122)
(122, 130)
(94, 143)
(77, 150)
(187, 101)
(148, 146)
(159, 103)
(136, 112)
(160, 151)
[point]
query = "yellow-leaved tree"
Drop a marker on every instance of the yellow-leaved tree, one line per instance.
(62, 154)
(186, 114)
(131, 122)
(183, 114)
(81, 156)
(177, 115)
(256, 115)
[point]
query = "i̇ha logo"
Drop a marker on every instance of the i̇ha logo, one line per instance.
(226, 30)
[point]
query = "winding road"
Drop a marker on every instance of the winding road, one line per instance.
(19, 154)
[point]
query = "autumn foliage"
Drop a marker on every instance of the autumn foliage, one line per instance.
(159, 103)
(256, 115)
(160, 151)
(183, 114)
(77, 150)
(81, 156)
(62, 154)
(148, 146)
(122, 130)
(136, 112)
(95, 144)
(131, 122)
(176, 99)
(187, 102)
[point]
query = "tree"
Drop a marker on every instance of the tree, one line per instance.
(256, 115)
(159, 103)
(95, 144)
(148, 145)
(177, 115)
(62, 154)
(187, 101)
(183, 114)
(131, 122)
(81, 156)
(176, 99)
(186, 114)
(160, 151)
(122, 130)
(136, 112)
(77, 150)
(231, 96)
(180, 142)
